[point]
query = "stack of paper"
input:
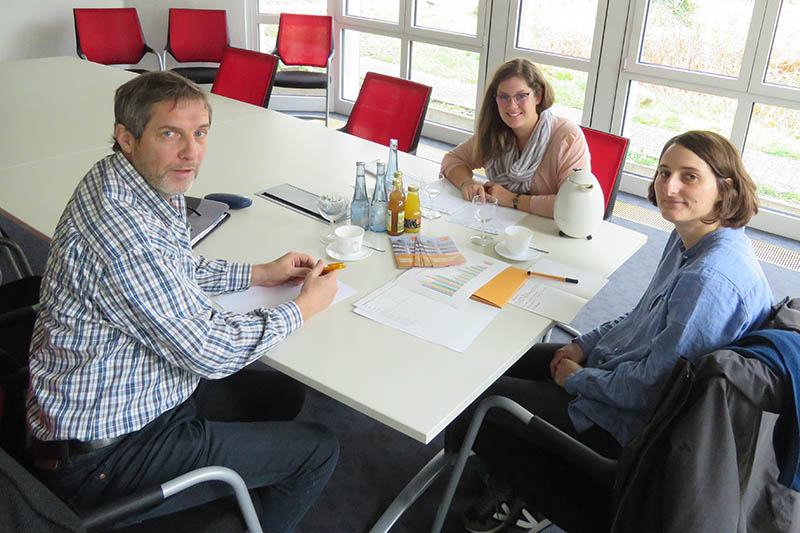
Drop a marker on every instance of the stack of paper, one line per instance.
(244, 301)
(557, 300)
(435, 304)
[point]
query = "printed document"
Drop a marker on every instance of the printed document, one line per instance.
(553, 299)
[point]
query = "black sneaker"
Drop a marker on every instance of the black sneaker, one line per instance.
(521, 520)
(486, 516)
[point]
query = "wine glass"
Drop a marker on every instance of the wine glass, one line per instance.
(433, 189)
(332, 207)
(484, 210)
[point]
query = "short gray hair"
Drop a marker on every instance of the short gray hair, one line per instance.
(133, 101)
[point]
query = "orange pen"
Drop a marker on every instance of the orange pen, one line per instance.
(333, 266)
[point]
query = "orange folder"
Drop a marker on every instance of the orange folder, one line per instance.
(502, 287)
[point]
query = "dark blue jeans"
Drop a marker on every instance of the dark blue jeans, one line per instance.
(242, 422)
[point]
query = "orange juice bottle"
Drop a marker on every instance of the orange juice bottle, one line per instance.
(413, 215)
(395, 219)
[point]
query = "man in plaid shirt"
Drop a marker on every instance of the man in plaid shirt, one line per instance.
(135, 377)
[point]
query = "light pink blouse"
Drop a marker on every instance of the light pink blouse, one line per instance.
(566, 150)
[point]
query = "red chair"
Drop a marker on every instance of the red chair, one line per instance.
(111, 37)
(389, 108)
(608, 153)
(197, 35)
(246, 76)
(305, 40)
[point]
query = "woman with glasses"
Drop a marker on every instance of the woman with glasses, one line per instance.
(526, 150)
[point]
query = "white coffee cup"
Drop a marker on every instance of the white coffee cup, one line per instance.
(518, 238)
(349, 239)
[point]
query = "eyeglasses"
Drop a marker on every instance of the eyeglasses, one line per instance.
(519, 98)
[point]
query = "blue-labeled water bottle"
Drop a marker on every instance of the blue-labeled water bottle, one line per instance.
(391, 166)
(380, 200)
(359, 207)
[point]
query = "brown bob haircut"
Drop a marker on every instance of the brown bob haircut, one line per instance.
(494, 137)
(738, 199)
(134, 100)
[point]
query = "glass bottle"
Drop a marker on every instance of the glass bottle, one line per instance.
(395, 223)
(391, 166)
(380, 200)
(413, 214)
(359, 207)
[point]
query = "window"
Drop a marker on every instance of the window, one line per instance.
(459, 16)
(565, 28)
(374, 9)
(439, 43)
(707, 36)
(784, 59)
(656, 113)
(365, 52)
(647, 69)
(305, 7)
(560, 38)
(730, 66)
(453, 74)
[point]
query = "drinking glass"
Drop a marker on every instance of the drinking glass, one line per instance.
(332, 207)
(433, 189)
(484, 210)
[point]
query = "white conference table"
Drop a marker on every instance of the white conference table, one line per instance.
(409, 384)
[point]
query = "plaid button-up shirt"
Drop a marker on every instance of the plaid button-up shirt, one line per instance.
(126, 328)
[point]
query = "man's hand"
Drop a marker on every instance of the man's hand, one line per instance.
(292, 267)
(470, 189)
(564, 368)
(317, 292)
(570, 352)
(503, 195)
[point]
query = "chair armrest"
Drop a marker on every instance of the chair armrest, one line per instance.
(26, 312)
(600, 468)
(568, 329)
(148, 498)
(149, 50)
(18, 260)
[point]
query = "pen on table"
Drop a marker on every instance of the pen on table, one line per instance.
(333, 266)
(550, 276)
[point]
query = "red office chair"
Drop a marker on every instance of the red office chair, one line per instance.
(305, 40)
(197, 35)
(246, 76)
(111, 37)
(608, 157)
(389, 108)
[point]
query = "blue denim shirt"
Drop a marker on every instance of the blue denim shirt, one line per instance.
(698, 300)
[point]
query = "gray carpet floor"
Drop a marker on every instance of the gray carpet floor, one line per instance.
(376, 462)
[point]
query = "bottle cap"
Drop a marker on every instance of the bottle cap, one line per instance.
(413, 188)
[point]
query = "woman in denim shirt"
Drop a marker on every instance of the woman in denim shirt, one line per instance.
(708, 291)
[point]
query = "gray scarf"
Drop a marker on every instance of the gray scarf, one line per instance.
(513, 170)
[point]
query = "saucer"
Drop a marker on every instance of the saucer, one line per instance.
(501, 249)
(336, 254)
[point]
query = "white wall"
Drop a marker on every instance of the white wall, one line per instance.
(45, 28)
(154, 15)
(40, 28)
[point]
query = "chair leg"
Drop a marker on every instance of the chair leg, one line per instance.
(327, 88)
(418, 484)
(327, 104)
(466, 447)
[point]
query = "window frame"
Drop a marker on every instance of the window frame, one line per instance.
(747, 90)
